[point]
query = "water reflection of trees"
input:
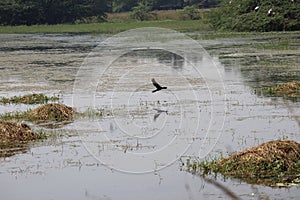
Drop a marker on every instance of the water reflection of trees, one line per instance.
(263, 71)
(161, 56)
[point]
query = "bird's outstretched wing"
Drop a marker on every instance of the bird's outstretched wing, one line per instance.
(156, 116)
(155, 84)
(159, 110)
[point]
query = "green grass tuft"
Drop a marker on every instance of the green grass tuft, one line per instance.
(29, 99)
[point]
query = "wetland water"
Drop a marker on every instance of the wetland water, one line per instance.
(66, 166)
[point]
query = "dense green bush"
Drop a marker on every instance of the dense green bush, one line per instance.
(28, 12)
(256, 15)
(141, 11)
(190, 12)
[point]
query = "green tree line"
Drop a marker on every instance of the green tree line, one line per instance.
(236, 15)
(29, 12)
(257, 15)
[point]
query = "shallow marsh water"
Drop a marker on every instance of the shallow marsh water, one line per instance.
(66, 166)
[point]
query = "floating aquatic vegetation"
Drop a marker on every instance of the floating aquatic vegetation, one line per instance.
(274, 163)
(54, 115)
(290, 89)
(29, 99)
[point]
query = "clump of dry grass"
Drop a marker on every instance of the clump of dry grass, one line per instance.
(290, 89)
(123, 16)
(269, 163)
(52, 112)
(281, 154)
(13, 132)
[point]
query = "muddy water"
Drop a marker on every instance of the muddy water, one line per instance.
(88, 159)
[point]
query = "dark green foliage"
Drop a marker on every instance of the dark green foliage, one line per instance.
(29, 12)
(127, 5)
(141, 11)
(201, 3)
(270, 15)
(167, 4)
(191, 12)
(123, 5)
(15, 12)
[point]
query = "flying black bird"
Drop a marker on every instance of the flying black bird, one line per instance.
(158, 87)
